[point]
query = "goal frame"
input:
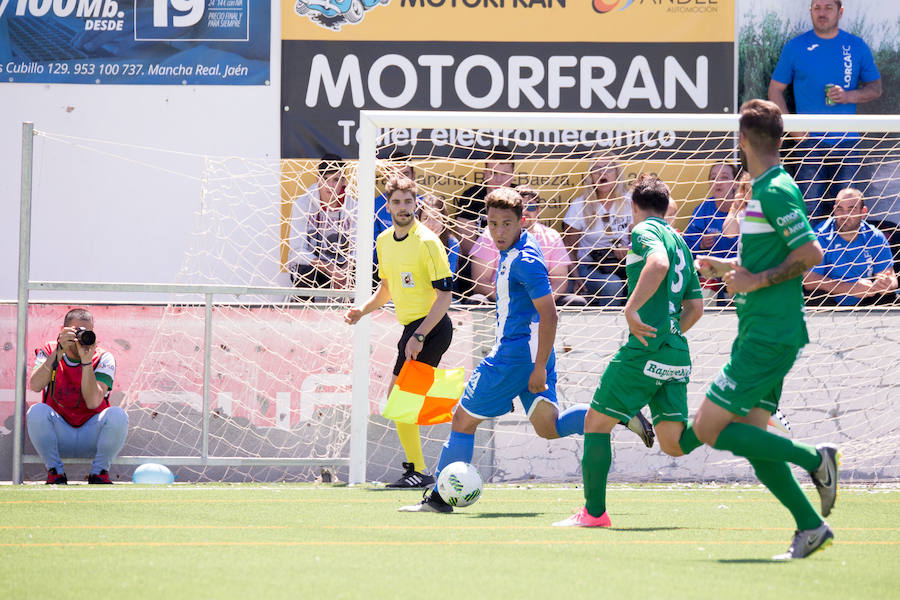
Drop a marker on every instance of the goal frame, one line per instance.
(370, 122)
(208, 293)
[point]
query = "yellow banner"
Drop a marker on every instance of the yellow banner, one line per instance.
(640, 21)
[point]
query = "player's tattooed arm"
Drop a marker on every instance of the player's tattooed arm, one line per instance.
(789, 269)
(796, 264)
(800, 260)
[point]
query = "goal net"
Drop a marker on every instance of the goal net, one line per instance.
(283, 369)
(582, 167)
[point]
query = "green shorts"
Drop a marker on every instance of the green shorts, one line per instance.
(753, 376)
(635, 379)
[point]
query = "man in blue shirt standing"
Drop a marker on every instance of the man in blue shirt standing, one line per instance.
(832, 71)
(858, 265)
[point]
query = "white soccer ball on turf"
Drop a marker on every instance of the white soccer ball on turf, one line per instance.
(459, 484)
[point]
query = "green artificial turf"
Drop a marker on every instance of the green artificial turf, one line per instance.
(302, 541)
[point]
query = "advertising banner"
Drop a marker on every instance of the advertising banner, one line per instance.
(340, 56)
(147, 378)
(177, 42)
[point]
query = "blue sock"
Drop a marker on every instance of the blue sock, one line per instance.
(571, 420)
(460, 446)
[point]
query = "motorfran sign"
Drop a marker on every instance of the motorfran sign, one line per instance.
(499, 56)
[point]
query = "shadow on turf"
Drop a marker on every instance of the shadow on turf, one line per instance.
(751, 561)
(504, 515)
(647, 528)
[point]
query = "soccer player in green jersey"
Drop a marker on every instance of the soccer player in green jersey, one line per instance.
(777, 246)
(654, 365)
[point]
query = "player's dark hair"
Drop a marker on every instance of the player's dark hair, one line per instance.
(77, 314)
(761, 123)
(651, 194)
(506, 199)
(329, 164)
(840, 3)
(397, 183)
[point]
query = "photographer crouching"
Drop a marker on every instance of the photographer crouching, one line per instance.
(75, 419)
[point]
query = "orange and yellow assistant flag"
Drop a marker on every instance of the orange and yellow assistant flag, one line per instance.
(424, 395)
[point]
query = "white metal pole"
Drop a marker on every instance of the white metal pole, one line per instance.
(22, 306)
(207, 365)
(365, 228)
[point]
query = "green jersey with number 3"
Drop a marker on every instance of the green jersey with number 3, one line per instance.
(775, 224)
(663, 309)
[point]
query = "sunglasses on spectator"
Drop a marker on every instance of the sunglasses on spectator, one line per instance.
(531, 208)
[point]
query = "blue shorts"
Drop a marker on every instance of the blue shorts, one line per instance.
(499, 378)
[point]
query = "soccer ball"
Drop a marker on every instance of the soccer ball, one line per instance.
(459, 484)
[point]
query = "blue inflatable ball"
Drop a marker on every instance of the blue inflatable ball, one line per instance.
(153, 473)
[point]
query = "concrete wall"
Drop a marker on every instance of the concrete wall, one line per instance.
(148, 211)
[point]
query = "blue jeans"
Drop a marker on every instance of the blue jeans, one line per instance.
(101, 438)
(823, 166)
(602, 289)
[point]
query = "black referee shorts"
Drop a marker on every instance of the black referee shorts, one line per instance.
(436, 343)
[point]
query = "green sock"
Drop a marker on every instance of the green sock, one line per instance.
(777, 476)
(688, 440)
(754, 443)
(595, 469)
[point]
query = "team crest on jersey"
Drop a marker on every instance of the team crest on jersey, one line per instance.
(407, 280)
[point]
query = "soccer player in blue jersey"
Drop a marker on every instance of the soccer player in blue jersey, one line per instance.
(522, 362)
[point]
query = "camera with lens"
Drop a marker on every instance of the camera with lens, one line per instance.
(85, 337)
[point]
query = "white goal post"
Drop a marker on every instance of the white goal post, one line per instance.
(834, 405)
(237, 376)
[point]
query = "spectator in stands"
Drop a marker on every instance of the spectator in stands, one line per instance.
(832, 72)
(432, 213)
(731, 227)
(470, 219)
(858, 267)
(322, 221)
(75, 419)
(704, 231)
(596, 232)
(485, 255)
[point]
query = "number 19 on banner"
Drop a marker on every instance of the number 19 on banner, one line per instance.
(199, 20)
(193, 8)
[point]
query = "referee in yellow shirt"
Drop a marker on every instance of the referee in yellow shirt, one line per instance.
(415, 274)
